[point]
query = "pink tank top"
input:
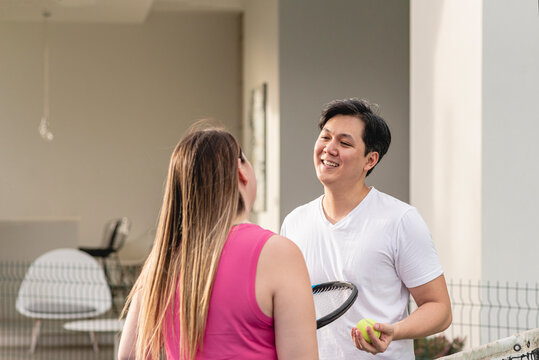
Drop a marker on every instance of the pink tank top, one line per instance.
(236, 327)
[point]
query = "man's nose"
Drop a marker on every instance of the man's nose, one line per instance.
(331, 148)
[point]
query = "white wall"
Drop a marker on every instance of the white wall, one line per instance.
(260, 65)
(474, 110)
(445, 128)
(121, 97)
(510, 144)
(18, 237)
(340, 49)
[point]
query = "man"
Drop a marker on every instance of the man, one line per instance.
(356, 233)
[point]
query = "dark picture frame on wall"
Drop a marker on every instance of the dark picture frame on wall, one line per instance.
(258, 143)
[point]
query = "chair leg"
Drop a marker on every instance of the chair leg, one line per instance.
(35, 335)
(106, 270)
(113, 272)
(93, 339)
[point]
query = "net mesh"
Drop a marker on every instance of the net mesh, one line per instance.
(327, 300)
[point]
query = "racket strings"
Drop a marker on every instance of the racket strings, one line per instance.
(327, 300)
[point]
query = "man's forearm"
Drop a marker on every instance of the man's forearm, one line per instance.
(430, 318)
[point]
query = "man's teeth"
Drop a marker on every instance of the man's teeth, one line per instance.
(330, 163)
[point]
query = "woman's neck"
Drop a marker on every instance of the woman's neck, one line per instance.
(241, 219)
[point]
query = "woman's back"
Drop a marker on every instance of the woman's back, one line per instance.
(236, 327)
(244, 291)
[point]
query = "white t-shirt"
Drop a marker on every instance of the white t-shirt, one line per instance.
(384, 247)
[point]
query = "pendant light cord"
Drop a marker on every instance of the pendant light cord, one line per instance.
(46, 15)
(43, 128)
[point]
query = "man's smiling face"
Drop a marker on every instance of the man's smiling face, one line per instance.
(339, 152)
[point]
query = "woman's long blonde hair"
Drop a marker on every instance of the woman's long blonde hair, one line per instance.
(200, 203)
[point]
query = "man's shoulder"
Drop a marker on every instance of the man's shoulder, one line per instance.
(302, 211)
(390, 205)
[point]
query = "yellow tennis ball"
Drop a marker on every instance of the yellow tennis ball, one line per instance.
(362, 326)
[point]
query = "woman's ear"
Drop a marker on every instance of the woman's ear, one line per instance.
(241, 173)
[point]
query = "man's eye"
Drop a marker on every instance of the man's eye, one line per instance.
(324, 137)
(345, 143)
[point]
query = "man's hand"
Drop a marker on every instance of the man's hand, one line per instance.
(377, 345)
(433, 315)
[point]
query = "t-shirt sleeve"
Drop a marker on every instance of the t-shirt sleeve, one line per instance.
(416, 261)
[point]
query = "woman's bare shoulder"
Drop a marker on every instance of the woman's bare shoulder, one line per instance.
(281, 248)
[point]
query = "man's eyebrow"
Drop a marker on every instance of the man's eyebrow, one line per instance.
(343, 135)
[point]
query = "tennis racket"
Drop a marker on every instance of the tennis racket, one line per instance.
(332, 300)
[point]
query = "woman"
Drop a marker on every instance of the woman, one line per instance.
(215, 286)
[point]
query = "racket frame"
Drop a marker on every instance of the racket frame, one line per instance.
(337, 313)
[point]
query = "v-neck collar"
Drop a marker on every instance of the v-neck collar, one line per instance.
(345, 220)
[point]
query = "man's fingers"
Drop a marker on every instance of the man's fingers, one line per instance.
(361, 343)
(355, 336)
(375, 341)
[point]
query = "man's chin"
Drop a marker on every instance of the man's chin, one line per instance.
(326, 180)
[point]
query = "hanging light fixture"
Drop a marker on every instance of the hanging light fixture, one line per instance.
(43, 128)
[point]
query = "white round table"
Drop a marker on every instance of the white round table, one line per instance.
(98, 325)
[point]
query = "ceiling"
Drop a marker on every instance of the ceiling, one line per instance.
(104, 11)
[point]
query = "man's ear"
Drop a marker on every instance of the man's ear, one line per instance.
(372, 160)
(241, 173)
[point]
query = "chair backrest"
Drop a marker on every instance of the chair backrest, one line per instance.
(115, 233)
(136, 250)
(64, 284)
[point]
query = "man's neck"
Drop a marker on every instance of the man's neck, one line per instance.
(338, 203)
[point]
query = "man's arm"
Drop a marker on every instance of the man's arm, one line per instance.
(433, 315)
